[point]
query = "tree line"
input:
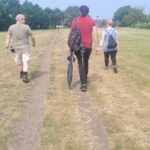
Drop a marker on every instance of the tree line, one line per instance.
(39, 18)
(131, 17)
(36, 17)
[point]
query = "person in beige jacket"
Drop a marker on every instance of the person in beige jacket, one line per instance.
(18, 38)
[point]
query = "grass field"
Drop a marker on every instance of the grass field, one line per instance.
(13, 93)
(122, 100)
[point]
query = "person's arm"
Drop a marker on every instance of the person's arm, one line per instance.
(95, 35)
(102, 39)
(117, 38)
(33, 41)
(7, 43)
(31, 36)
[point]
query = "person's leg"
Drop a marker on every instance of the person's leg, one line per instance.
(18, 60)
(87, 56)
(20, 67)
(106, 58)
(81, 63)
(25, 59)
(113, 59)
(21, 71)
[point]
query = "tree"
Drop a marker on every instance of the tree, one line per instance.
(135, 16)
(148, 18)
(36, 18)
(70, 13)
(8, 11)
(48, 13)
(2, 16)
(57, 17)
(120, 14)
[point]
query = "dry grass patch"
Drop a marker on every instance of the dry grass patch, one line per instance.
(63, 127)
(13, 92)
(124, 98)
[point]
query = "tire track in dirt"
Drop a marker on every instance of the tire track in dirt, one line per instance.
(88, 110)
(28, 129)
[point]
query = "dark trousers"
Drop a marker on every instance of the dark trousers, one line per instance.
(112, 54)
(83, 63)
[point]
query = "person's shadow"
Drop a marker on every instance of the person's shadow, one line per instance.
(95, 77)
(36, 74)
(75, 84)
(92, 78)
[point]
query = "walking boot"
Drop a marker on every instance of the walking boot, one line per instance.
(21, 74)
(25, 77)
(106, 68)
(115, 69)
(83, 88)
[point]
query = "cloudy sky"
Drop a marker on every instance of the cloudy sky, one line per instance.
(101, 8)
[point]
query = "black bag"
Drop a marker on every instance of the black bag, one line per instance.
(111, 41)
(12, 50)
(74, 40)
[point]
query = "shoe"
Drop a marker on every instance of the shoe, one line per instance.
(21, 75)
(87, 82)
(106, 68)
(83, 88)
(25, 77)
(115, 70)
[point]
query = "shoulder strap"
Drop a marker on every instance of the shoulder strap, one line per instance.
(109, 32)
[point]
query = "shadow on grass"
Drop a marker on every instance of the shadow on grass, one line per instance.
(75, 84)
(36, 74)
(92, 78)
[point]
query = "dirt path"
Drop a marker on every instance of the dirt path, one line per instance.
(28, 129)
(88, 110)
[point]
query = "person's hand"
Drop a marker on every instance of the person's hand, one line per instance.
(7, 50)
(97, 50)
(33, 44)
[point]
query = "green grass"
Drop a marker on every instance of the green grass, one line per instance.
(62, 127)
(13, 92)
(122, 100)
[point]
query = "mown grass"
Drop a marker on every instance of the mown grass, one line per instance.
(13, 92)
(124, 98)
(62, 126)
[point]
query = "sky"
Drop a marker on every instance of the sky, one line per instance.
(103, 9)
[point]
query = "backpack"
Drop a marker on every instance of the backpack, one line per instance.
(111, 41)
(74, 39)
